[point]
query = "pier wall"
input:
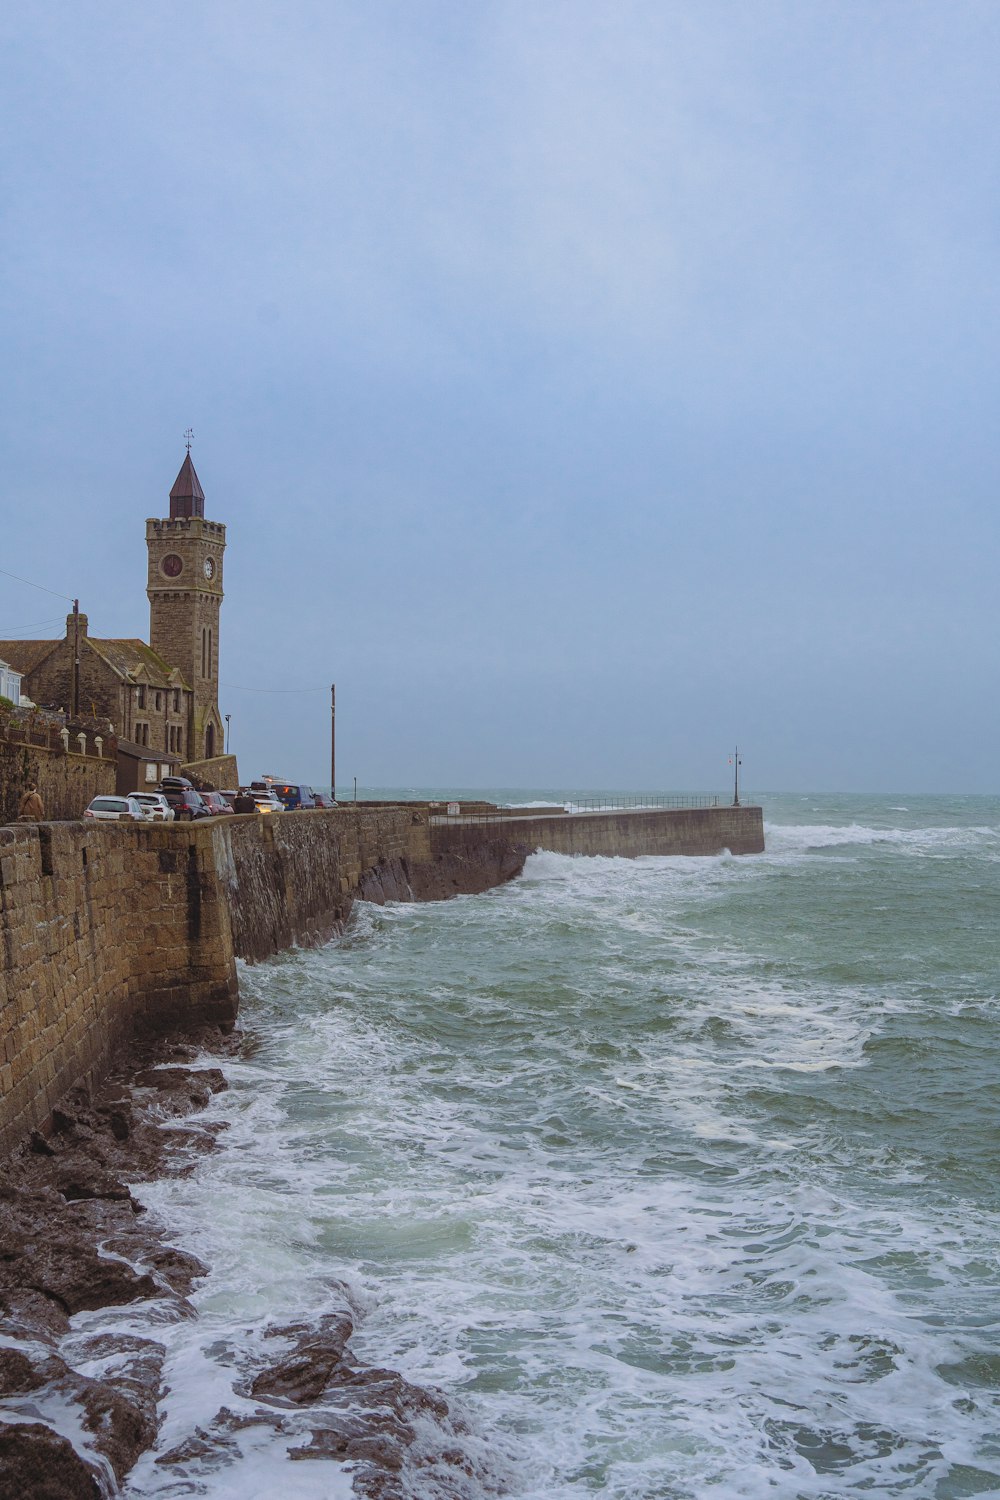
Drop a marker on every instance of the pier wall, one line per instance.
(626, 833)
(112, 930)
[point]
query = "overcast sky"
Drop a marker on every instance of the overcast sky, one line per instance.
(584, 385)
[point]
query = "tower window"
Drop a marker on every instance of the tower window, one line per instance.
(204, 651)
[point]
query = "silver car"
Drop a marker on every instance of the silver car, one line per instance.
(116, 809)
(155, 806)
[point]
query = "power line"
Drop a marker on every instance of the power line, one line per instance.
(35, 585)
(232, 687)
(10, 631)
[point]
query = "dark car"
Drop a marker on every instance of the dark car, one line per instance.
(216, 802)
(177, 781)
(322, 800)
(186, 802)
(293, 797)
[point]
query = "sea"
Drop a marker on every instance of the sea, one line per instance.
(677, 1177)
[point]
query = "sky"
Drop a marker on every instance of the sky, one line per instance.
(586, 387)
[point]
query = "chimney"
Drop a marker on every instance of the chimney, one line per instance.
(71, 618)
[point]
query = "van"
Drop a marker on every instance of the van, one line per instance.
(293, 797)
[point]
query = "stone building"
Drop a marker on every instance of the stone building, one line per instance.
(163, 696)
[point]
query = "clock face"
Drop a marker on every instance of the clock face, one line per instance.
(171, 565)
(209, 568)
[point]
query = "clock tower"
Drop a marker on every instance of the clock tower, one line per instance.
(184, 586)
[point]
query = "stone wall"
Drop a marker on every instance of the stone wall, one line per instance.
(220, 773)
(638, 831)
(67, 783)
(106, 930)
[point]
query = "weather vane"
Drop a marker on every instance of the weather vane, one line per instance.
(188, 435)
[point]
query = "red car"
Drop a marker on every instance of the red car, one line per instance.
(215, 802)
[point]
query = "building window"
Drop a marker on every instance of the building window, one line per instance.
(159, 702)
(204, 652)
(177, 700)
(140, 697)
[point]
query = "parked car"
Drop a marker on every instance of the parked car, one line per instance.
(322, 800)
(185, 801)
(293, 797)
(116, 809)
(177, 781)
(267, 802)
(215, 802)
(155, 806)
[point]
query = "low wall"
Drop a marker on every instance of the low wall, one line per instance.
(67, 782)
(637, 831)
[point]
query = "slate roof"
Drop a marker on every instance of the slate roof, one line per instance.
(187, 498)
(127, 659)
(25, 656)
(134, 659)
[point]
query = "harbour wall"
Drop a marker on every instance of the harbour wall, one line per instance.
(629, 833)
(108, 931)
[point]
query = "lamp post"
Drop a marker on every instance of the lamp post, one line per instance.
(227, 718)
(736, 777)
(333, 741)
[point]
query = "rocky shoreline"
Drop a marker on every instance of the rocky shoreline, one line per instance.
(77, 1411)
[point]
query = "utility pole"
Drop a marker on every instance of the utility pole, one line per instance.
(333, 741)
(76, 659)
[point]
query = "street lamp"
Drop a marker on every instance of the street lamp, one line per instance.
(227, 718)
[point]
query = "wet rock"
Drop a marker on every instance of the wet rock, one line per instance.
(19, 1372)
(122, 1427)
(72, 1239)
(180, 1090)
(38, 1464)
(303, 1375)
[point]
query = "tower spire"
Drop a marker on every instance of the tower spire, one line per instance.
(187, 498)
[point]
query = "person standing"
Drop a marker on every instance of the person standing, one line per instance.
(31, 806)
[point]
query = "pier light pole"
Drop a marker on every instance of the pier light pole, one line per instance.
(736, 777)
(333, 741)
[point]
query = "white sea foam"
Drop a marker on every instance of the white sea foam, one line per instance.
(615, 1157)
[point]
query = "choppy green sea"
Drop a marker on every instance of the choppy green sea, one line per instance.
(678, 1176)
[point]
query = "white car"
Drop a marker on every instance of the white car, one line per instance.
(267, 802)
(116, 809)
(155, 806)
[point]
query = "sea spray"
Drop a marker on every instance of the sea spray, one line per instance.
(672, 1175)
